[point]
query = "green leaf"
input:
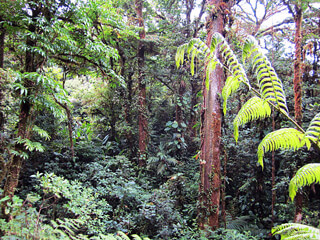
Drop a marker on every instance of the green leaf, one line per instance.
(285, 138)
(305, 176)
(271, 87)
(313, 131)
(296, 231)
(255, 108)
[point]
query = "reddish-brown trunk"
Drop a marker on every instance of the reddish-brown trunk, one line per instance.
(143, 120)
(297, 79)
(209, 198)
(299, 204)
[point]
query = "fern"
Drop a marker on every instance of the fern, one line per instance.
(270, 85)
(287, 138)
(240, 223)
(296, 231)
(196, 48)
(254, 108)
(313, 131)
(305, 176)
(238, 74)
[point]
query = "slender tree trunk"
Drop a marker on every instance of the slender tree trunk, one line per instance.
(143, 120)
(297, 79)
(70, 126)
(211, 119)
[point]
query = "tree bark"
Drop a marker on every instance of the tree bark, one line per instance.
(14, 168)
(297, 79)
(143, 120)
(211, 119)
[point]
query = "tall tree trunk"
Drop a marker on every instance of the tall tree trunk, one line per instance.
(143, 120)
(14, 168)
(211, 119)
(297, 79)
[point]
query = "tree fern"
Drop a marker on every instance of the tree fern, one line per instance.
(270, 85)
(196, 48)
(238, 74)
(296, 231)
(287, 138)
(313, 131)
(305, 176)
(254, 108)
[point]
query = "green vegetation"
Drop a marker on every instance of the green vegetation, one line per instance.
(159, 120)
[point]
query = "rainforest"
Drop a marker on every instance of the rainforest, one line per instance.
(159, 119)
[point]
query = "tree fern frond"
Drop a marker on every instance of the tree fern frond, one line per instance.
(239, 223)
(235, 68)
(196, 48)
(271, 88)
(313, 131)
(254, 108)
(296, 231)
(287, 138)
(231, 85)
(305, 176)
(180, 54)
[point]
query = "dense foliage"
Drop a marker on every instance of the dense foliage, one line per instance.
(81, 80)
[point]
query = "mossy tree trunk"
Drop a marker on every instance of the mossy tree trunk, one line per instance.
(211, 119)
(143, 120)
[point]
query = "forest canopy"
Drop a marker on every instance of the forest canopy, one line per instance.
(159, 119)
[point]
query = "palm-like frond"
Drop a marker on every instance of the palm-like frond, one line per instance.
(196, 48)
(313, 131)
(286, 138)
(305, 176)
(296, 231)
(254, 108)
(271, 88)
(232, 63)
(240, 223)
